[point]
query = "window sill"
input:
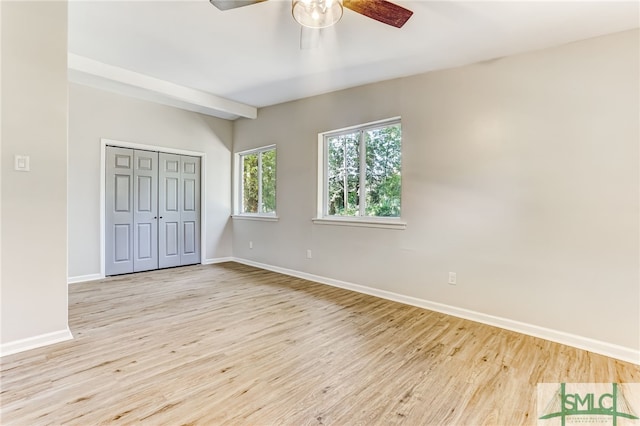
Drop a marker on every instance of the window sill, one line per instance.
(364, 223)
(258, 217)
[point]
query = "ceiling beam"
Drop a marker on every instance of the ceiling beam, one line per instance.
(90, 72)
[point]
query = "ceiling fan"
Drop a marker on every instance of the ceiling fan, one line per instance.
(318, 14)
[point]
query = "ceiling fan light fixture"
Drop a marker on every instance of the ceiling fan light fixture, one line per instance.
(317, 13)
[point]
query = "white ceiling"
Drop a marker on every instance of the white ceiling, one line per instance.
(251, 54)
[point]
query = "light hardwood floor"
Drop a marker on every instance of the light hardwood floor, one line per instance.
(231, 344)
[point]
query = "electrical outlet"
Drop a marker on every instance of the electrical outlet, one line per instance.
(308, 254)
(250, 244)
(21, 163)
(452, 278)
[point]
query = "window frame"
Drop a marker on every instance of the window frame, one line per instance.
(323, 218)
(239, 185)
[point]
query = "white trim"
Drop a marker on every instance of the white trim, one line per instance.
(597, 346)
(259, 217)
(95, 277)
(217, 260)
(257, 150)
(203, 192)
(22, 345)
(203, 206)
(83, 70)
(84, 278)
(103, 183)
(322, 190)
(147, 147)
(366, 223)
(362, 126)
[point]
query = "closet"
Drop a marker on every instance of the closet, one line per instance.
(152, 210)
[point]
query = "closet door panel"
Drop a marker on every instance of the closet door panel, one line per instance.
(190, 210)
(119, 211)
(145, 218)
(169, 194)
(122, 243)
(171, 239)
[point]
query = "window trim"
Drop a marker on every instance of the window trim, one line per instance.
(238, 185)
(322, 218)
(366, 222)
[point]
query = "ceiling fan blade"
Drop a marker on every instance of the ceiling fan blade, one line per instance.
(309, 38)
(380, 10)
(232, 4)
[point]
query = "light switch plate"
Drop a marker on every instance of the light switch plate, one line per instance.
(21, 163)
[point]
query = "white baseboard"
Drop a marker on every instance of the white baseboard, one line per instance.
(83, 278)
(603, 348)
(217, 260)
(35, 342)
(94, 277)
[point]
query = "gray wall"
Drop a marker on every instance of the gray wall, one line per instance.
(520, 174)
(34, 204)
(96, 114)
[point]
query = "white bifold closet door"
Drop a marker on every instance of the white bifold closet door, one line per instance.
(179, 202)
(152, 212)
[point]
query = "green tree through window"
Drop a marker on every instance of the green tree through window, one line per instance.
(383, 180)
(343, 174)
(268, 181)
(250, 183)
(363, 171)
(258, 181)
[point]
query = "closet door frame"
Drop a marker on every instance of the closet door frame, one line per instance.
(123, 144)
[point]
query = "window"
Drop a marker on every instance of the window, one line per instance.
(257, 189)
(360, 174)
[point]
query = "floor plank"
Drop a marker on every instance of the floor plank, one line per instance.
(232, 344)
